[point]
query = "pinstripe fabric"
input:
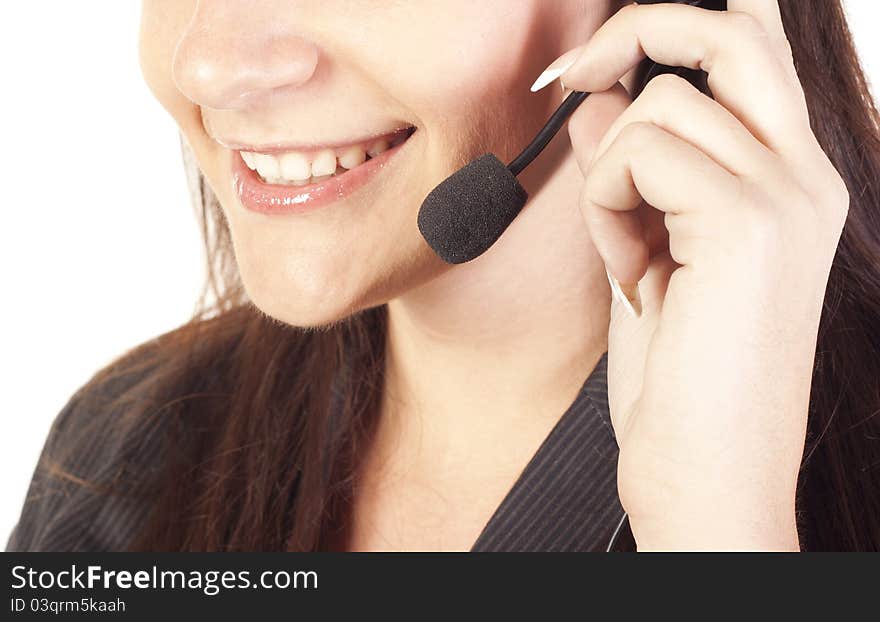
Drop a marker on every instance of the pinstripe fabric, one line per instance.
(62, 514)
(564, 500)
(566, 497)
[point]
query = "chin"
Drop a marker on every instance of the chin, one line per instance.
(303, 312)
(304, 296)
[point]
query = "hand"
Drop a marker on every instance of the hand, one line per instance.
(727, 214)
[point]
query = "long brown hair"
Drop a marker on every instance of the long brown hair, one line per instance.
(265, 422)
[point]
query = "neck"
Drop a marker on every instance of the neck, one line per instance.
(515, 332)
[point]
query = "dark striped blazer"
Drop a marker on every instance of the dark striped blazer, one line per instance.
(565, 499)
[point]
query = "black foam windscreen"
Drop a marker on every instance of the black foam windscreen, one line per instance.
(467, 213)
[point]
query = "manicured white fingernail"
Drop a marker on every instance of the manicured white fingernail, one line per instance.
(556, 69)
(549, 76)
(627, 295)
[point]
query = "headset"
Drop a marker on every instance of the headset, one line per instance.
(465, 214)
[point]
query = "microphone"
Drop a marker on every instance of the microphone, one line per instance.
(466, 214)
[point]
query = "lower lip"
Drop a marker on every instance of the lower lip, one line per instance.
(258, 196)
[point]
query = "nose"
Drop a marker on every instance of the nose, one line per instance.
(230, 57)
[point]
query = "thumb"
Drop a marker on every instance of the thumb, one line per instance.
(630, 337)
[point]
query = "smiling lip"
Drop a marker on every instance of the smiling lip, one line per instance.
(278, 199)
(279, 148)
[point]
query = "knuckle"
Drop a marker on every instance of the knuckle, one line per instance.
(667, 86)
(841, 193)
(819, 216)
(832, 197)
(811, 226)
(783, 213)
(636, 132)
(841, 198)
(745, 25)
(628, 9)
(787, 51)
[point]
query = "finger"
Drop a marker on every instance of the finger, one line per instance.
(586, 127)
(673, 104)
(766, 12)
(590, 122)
(745, 75)
(655, 283)
(629, 339)
(646, 163)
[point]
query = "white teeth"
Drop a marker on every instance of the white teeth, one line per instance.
(324, 163)
(377, 147)
(249, 159)
(352, 157)
(295, 166)
(267, 165)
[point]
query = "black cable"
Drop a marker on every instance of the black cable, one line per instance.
(574, 99)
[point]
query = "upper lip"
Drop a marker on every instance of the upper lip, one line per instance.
(311, 147)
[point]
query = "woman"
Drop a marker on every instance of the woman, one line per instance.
(348, 390)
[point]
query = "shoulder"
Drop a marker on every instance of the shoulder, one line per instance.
(86, 491)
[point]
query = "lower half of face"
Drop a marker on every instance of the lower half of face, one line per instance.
(313, 249)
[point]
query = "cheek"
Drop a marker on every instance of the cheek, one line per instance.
(466, 73)
(163, 23)
(473, 50)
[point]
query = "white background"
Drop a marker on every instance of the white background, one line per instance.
(98, 244)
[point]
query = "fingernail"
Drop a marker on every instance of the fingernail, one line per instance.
(556, 69)
(627, 295)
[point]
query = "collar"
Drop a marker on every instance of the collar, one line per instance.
(566, 497)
